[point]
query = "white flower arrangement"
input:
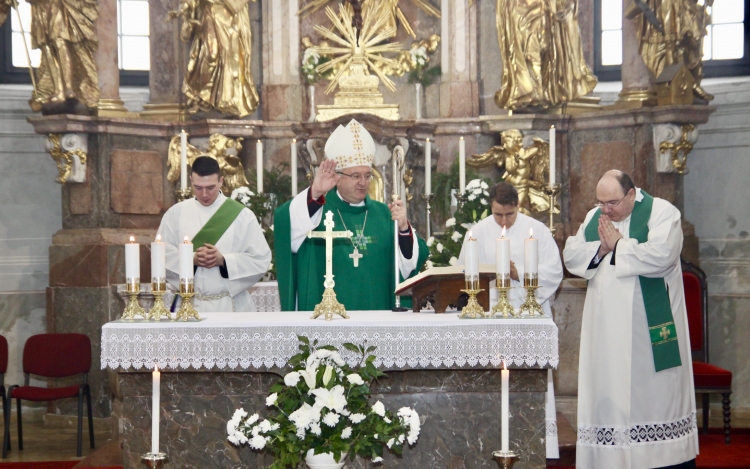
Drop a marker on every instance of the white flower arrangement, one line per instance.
(310, 61)
(323, 404)
(242, 195)
(450, 222)
(456, 236)
(419, 56)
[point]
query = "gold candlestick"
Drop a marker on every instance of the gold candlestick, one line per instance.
(187, 291)
(551, 190)
(183, 194)
(154, 460)
(472, 308)
(505, 459)
(503, 306)
(158, 288)
(133, 308)
(531, 283)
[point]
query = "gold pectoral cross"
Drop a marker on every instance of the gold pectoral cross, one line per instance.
(664, 333)
(356, 256)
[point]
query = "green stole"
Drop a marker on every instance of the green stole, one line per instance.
(219, 222)
(661, 326)
(369, 286)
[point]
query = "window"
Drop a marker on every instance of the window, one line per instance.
(726, 48)
(132, 44)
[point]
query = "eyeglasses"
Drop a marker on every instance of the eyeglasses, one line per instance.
(610, 205)
(359, 177)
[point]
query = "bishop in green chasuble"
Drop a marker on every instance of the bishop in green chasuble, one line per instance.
(363, 264)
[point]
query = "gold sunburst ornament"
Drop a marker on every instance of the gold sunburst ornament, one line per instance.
(355, 54)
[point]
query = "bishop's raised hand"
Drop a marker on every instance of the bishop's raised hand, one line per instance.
(325, 179)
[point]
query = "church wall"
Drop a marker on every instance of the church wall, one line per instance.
(716, 202)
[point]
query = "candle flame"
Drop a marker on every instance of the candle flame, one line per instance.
(552, 127)
(187, 240)
(156, 367)
(294, 140)
(158, 238)
(461, 138)
(531, 232)
(468, 235)
(510, 112)
(502, 235)
(428, 140)
(505, 365)
(132, 239)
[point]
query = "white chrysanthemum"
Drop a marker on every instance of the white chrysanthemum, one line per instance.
(472, 197)
(233, 439)
(333, 399)
(414, 427)
(346, 433)
(256, 430)
(450, 222)
(356, 418)
(386, 420)
(315, 428)
(404, 412)
(430, 240)
(390, 442)
(483, 185)
(336, 357)
(271, 400)
(265, 426)
(241, 191)
(355, 379)
(231, 427)
(456, 236)
(453, 261)
(483, 201)
(377, 459)
(258, 442)
(291, 379)
(345, 412)
(429, 264)
(440, 247)
(379, 408)
(401, 439)
(331, 419)
(472, 184)
(323, 353)
(252, 419)
(303, 416)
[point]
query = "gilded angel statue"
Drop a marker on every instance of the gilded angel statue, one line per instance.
(63, 30)
(219, 75)
(223, 149)
(527, 169)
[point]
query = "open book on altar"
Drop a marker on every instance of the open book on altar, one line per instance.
(443, 285)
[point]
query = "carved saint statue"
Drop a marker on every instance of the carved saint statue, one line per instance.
(223, 149)
(542, 54)
(63, 30)
(219, 75)
(671, 32)
(525, 168)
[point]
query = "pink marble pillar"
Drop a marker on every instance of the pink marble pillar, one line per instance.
(637, 83)
(107, 66)
(459, 88)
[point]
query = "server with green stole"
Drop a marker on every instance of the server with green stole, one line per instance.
(363, 264)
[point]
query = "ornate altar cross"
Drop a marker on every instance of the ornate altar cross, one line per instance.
(330, 305)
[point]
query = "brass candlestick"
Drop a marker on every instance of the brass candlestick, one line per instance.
(158, 288)
(551, 190)
(531, 283)
(154, 460)
(505, 459)
(133, 308)
(503, 306)
(472, 308)
(187, 291)
(428, 199)
(183, 194)
(329, 306)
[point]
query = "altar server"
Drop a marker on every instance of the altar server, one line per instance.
(504, 203)
(231, 253)
(636, 401)
(363, 265)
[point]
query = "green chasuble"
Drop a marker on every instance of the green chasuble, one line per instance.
(655, 296)
(369, 286)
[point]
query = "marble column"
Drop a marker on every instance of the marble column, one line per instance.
(108, 70)
(168, 62)
(459, 88)
(282, 91)
(637, 82)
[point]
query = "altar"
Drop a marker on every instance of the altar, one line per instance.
(443, 366)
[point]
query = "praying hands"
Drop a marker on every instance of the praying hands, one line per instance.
(608, 234)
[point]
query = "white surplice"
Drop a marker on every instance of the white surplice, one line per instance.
(243, 246)
(629, 415)
(486, 232)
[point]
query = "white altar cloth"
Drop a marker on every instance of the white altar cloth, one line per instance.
(255, 341)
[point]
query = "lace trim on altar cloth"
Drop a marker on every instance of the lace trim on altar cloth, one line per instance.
(551, 427)
(638, 433)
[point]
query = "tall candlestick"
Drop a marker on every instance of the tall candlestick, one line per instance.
(502, 255)
(471, 271)
(259, 164)
(132, 261)
(531, 254)
(428, 167)
(294, 167)
(155, 399)
(552, 155)
(183, 160)
(158, 260)
(504, 401)
(461, 165)
(186, 260)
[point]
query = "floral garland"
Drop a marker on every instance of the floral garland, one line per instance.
(445, 249)
(323, 404)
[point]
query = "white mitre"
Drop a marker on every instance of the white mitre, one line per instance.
(350, 146)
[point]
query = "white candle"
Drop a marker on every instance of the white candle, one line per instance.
(294, 167)
(504, 404)
(158, 259)
(531, 254)
(552, 155)
(428, 167)
(472, 257)
(155, 398)
(186, 259)
(259, 163)
(461, 165)
(132, 260)
(502, 255)
(183, 160)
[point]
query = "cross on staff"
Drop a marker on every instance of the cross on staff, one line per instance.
(328, 235)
